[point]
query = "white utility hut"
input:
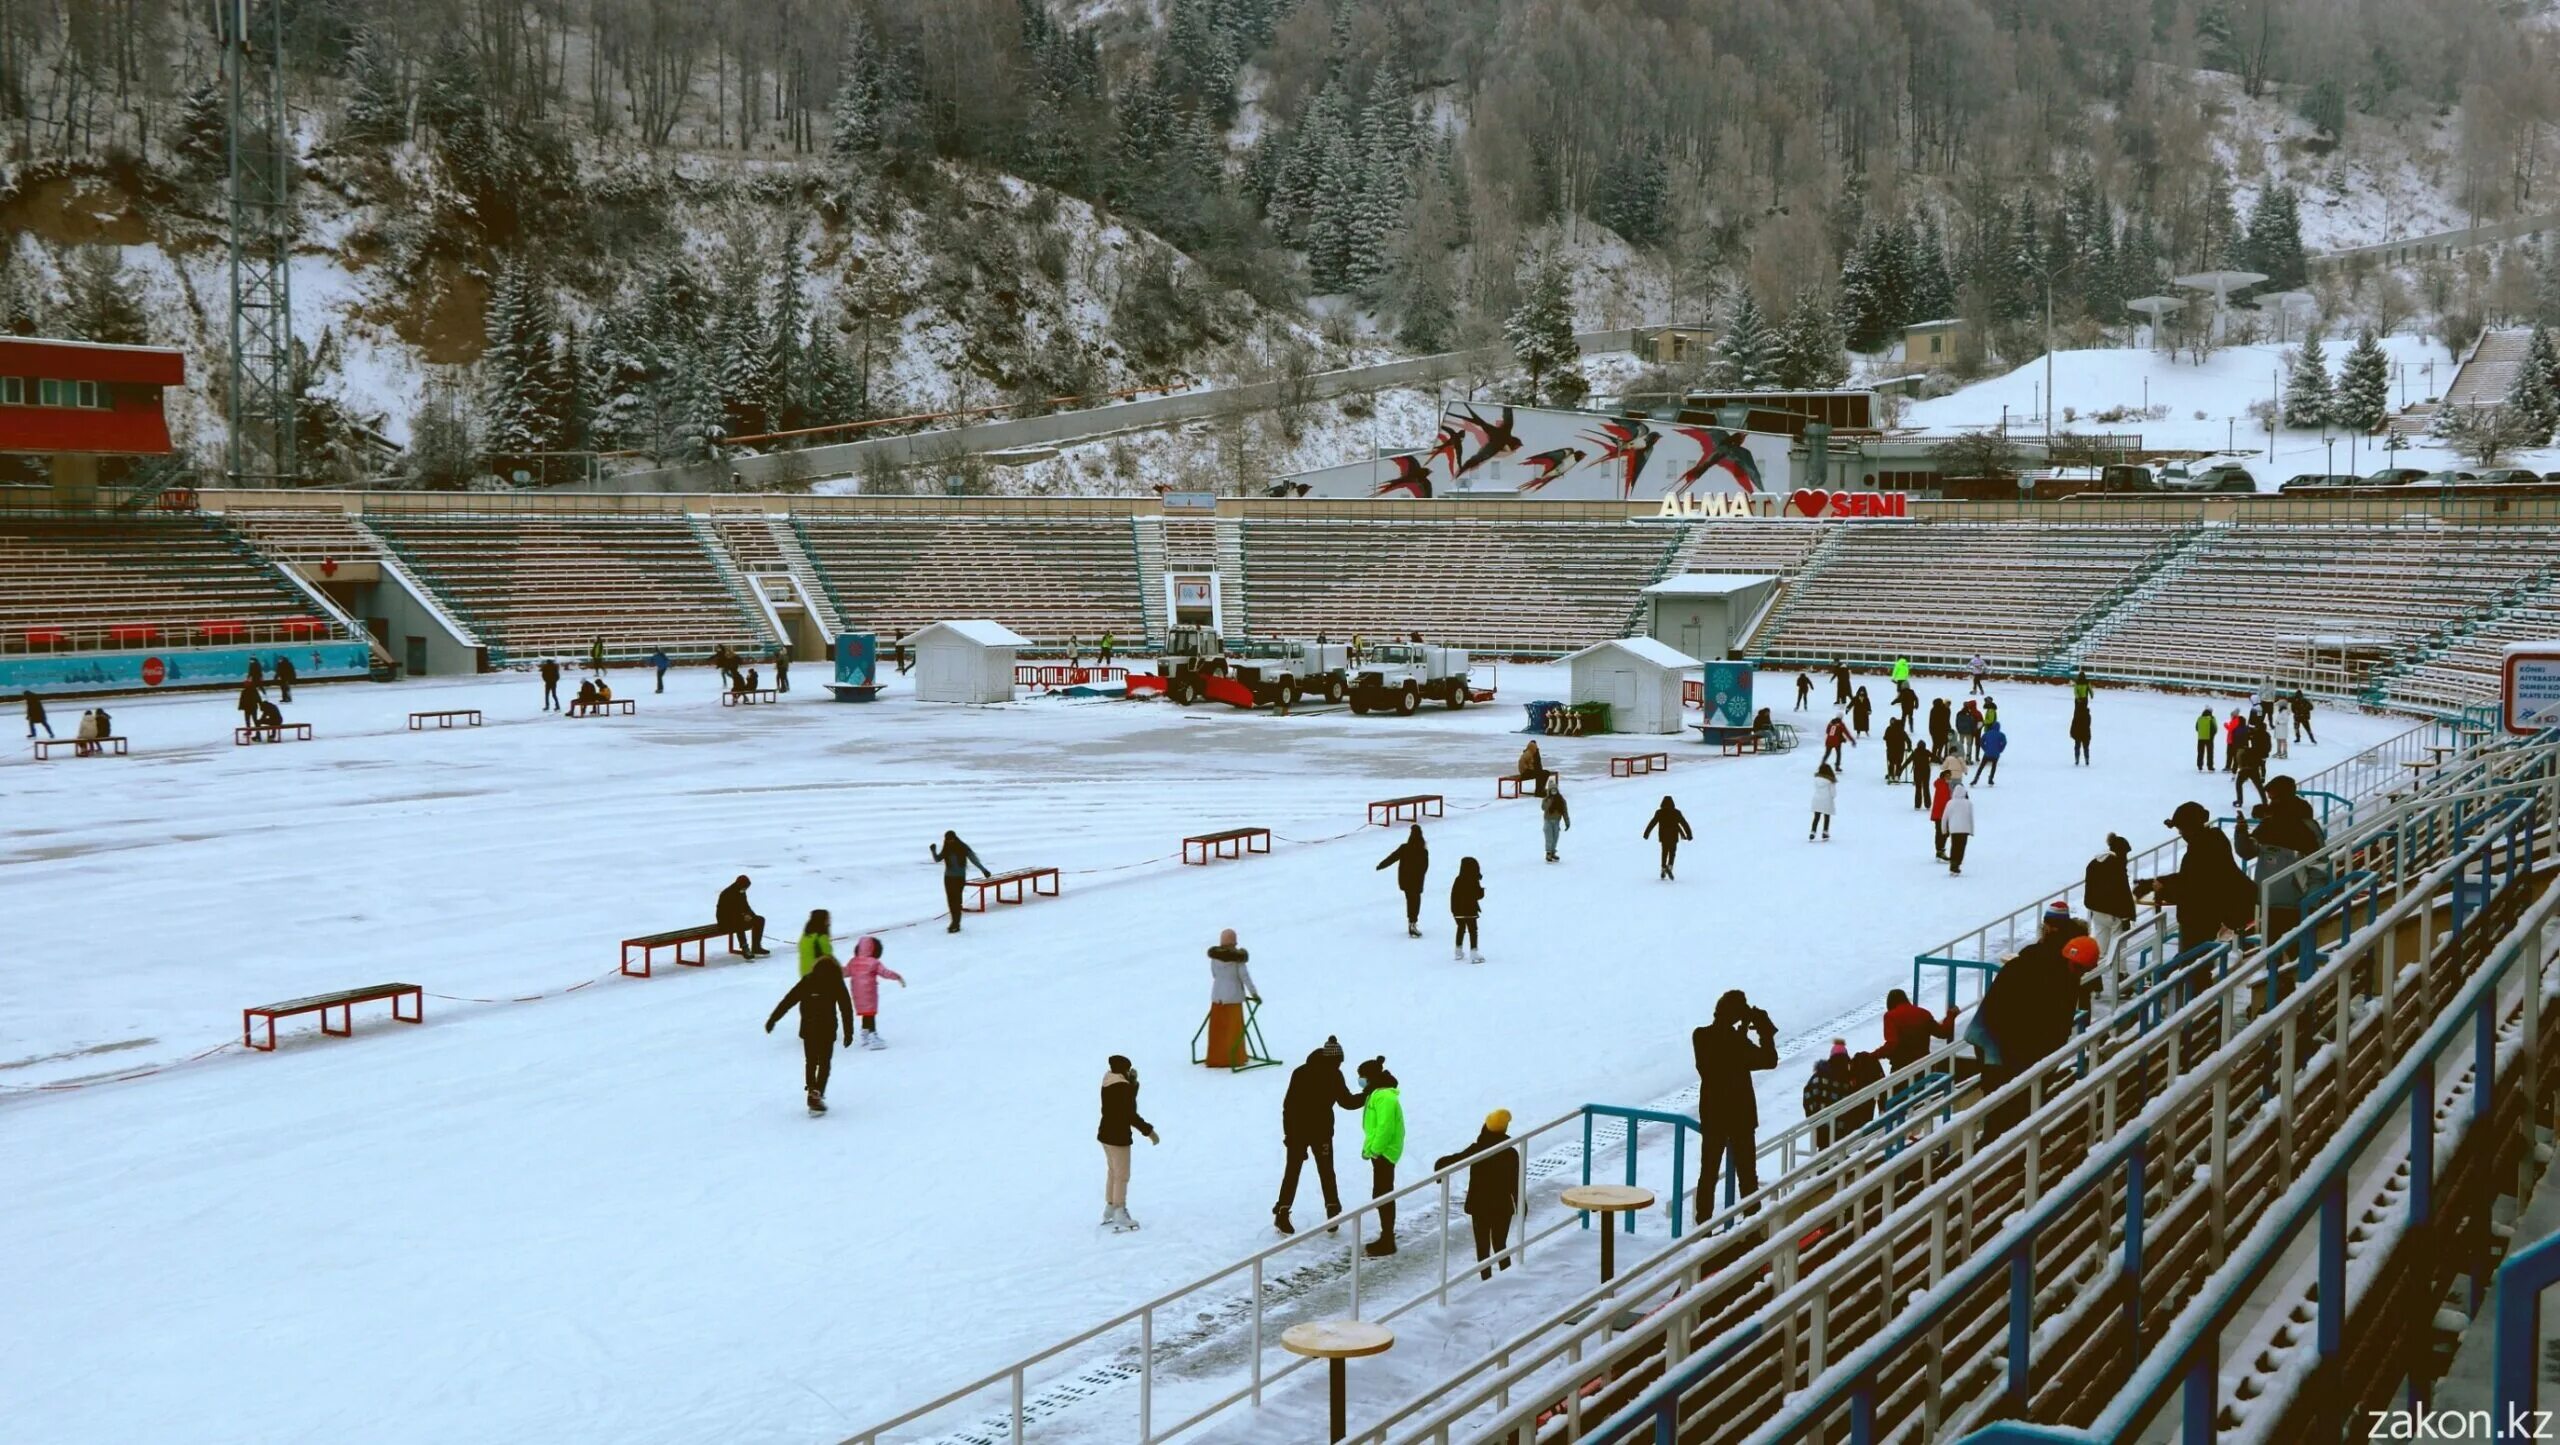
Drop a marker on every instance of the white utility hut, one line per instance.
(1637, 677)
(964, 661)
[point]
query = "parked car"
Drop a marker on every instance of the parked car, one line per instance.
(2226, 477)
(2127, 477)
(2313, 481)
(2450, 474)
(2393, 477)
(2511, 477)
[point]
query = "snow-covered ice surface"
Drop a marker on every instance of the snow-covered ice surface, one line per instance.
(604, 1215)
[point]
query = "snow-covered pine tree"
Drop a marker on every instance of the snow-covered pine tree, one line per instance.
(742, 356)
(377, 113)
(1746, 355)
(1808, 347)
(1335, 258)
(1933, 287)
(2307, 396)
(2364, 386)
(1633, 193)
(2531, 397)
(1540, 327)
(515, 370)
(1386, 189)
(2546, 282)
(203, 122)
(853, 115)
(100, 301)
(827, 379)
(787, 382)
(1862, 306)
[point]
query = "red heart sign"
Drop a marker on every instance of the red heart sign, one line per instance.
(1809, 503)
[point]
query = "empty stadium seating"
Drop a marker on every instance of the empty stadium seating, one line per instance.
(1530, 585)
(2222, 613)
(749, 538)
(544, 584)
(97, 584)
(1945, 591)
(2467, 671)
(1772, 546)
(1048, 578)
(306, 536)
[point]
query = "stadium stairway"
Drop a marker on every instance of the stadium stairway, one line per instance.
(392, 562)
(805, 575)
(1147, 535)
(292, 580)
(751, 602)
(1794, 586)
(1671, 554)
(2109, 611)
(1234, 621)
(2488, 371)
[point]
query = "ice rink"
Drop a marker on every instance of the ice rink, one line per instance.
(604, 1215)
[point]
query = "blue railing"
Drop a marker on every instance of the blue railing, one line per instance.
(2517, 1370)
(2187, 1362)
(1682, 1126)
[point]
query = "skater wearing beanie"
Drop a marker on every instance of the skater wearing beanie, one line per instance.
(1804, 692)
(1120, 1119)
(1908, 1029)
(1493, 1189)
(1921, 766)
(1316, 1090)
(2106, 890)
(2231, 741)
(1553, 814)
(1382, 1144)
(1839, 682)
(1466, 904)
(1980, 668)
(1861, 711)
(815, 944)
(1826, 790)
(862, 974)
(1994, 743)
(1836, 741)
(820, 996)
(956, 859)
(1969, 730)
(1412, 860)
(1670, 829)
(1230, 989)
(1832, 1080)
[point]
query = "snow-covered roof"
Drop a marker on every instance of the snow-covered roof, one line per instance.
(1708, 584)
(981, 632)
(1657, 653)
(1941, 321)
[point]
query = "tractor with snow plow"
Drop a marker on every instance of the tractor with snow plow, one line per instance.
(1399, 677)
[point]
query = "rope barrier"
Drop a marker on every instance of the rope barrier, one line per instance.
(123, 1076)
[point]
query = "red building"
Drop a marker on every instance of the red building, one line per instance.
(76, 401)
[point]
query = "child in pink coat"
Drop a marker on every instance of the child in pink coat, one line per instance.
(862, 974)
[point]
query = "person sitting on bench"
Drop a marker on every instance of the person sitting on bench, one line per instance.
(1533, 770)
(604, 690)
(586, 694)
(84, 738)
(271, 718)
(745, 925)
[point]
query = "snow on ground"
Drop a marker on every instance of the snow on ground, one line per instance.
(2207, 406)
(604, 1215)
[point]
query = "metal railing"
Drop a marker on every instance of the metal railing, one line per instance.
(2135, 1050)
(1318, 1272)
(2211, 1136)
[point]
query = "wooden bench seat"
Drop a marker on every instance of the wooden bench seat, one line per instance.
(1389, 811)
(625, 706)
(343, 1002)
(749, 696)
(1016, 881)
(1632, 765)
(47, 747)
(271, 733)
(445, 717)
(699, 935)
(1227, 843)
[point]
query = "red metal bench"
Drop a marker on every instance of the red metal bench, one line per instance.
(1017, 880)
(1508, 785)
(446, 717)
(344, 1001)
(749, 697)
(1388, 811)
(1230, 843)
(47, 747)
(270, 733)
(623, 705)
(1636, 765)
(700, 936)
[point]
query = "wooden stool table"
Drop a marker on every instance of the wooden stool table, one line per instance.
(1334, 1341)
(1607, 1200)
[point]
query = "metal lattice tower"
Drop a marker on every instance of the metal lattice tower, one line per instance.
(260, 191)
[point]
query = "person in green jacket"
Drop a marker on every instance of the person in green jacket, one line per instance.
(1382, 1144)
(2204, 741)
(2080, 689)
(1902, 669)
(814, 942)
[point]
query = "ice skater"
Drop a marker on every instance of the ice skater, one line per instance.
(956, 859)
(1230, 989)
(862, 974)
(781, 669)
(1956, 820)
(2204, 741)
(1826, 790)
(1897, 750)
(1382, 1144)
(659, 662)
(1553, 815)
(1836, 741)
(1412, 861)
(2080, 732)
(1994, 742)
(1804, 692)
(1980, 669)
(741, 922)
(35, 716)
(1466, 905)
(284, 676)
(1315, 1091)
(1670, 829)
(250, 700)
(820, 996)
(1919, 765)
(550, 673)
(1120, 1120)
(1493, 1189)
(817, 945)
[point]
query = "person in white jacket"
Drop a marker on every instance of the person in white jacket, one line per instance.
(1958, 821)
(1230, 989)
(1826, 790)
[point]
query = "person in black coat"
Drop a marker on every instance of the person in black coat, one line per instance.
(822, 999)
(1412, 860)
(250, 698)
(1741, 1041)
(2210, 893)
(1466, 908)
(2029, 1006)
(1919, 766)
(550, 671)
(1121, 1122)
(284, 676)
(1493, 1188)
(2301, 715)
(1897, 749)
(2106, 891)
(1942, 726)
(1316, 1090)
(2079, 732)
(1670, 829)
(1861, 711)
(740, 921)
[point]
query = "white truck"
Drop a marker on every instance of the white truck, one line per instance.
(1291, 670)
(1399, 677)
